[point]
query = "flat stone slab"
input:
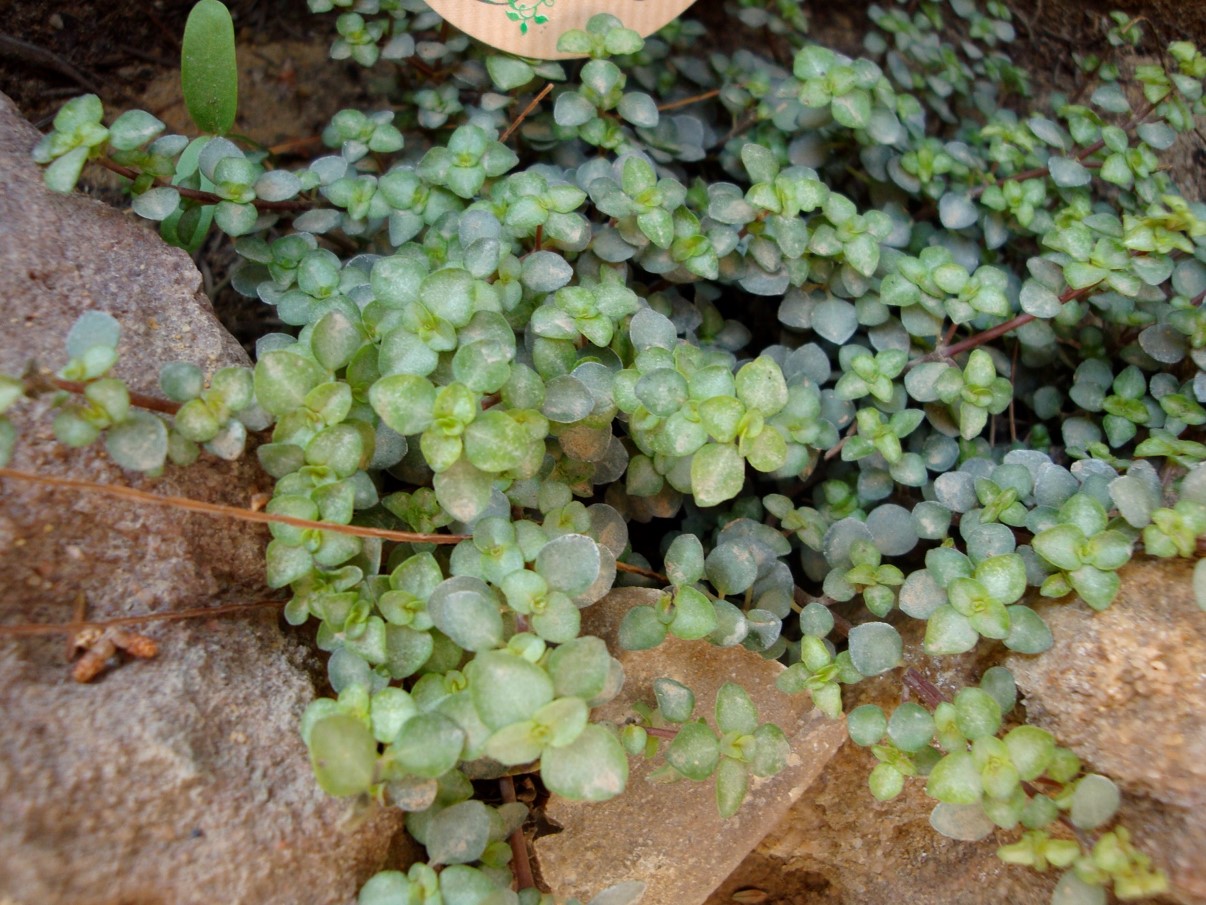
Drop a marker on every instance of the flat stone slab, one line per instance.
(670, 836)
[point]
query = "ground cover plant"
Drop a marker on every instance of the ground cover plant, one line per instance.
(806, 317)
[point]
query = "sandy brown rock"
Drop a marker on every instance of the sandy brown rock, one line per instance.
(839, 846)
(180, 779)
(1126, 690)
(670, 836)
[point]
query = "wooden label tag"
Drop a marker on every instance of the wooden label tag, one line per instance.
(530, 28)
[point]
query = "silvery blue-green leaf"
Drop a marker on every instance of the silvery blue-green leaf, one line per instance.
(629, 892)
(235, 219)
(458, 834)
(277, 185)
(404, 401)
(965, 822)
(998, 682)
(931, 520)
(731, 568)
(694, 751)
(593, 768)
(567, 400)
(892, 529)
(1039, 300)
(546, 271)
(1111, 98)
(462, 885)
(717, 474)
(694, 615)
(1164, 343)
(1068, 173)
(64, 173)
(572, 109)
(684, 562)
(580, 668)
(506, 688)
(1072, 890)
(156, 204)
(920, 595)
(139, 443)
(949, 632)
(760, 162)
(508, 72)
(735, 711)
(911, 727)
(732, 782)
(955, 780)
(133, 129)
(841, 536)
(463, 490)
(1095, 800)
(640, 629)
(8, 439)
(343, 754)
(639, 109)
(92, 329)
(866, 724)
(957, 211)
(467, 611)
(675, 700)
(569, 563)
(384, 888)
(1047, 131)
(650, 328)
(1135, 498)
(816, 619)
(835, 320)
(406, 650)
(1159, 135)
(957, 491)
(875, 647)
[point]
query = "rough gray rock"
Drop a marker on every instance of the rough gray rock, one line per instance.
(670, 836)
(180, 779)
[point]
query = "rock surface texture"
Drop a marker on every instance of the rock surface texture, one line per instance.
(670, 836)
(175, 780)
(839, 846)
(1126, 689)
(1123, 688)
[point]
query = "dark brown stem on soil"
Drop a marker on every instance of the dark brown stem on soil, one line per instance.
(71, 628)
(639, 570)
(544, 92)
(686, 101)
(151, 403)
(924, 688)
(197, 195)
(246, 515)
(519, 845)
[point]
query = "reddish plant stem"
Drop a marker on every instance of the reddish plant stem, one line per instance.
(71, 628)
(641, 570)
(660, 732)
(992, 333)
(924, 688)
(151, 403)
(519, 844)
(235, 512)
(197, 195)
(544, 92)
(686, 101)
